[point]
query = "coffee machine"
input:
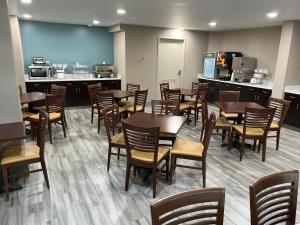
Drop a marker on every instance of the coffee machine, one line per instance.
(224, 64)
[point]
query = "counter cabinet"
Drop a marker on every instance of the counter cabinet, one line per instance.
(77, 92)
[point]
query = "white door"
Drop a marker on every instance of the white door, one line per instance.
(170, 62)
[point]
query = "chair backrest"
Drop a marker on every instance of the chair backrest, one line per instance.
(140, 99)
(43, 121)
(204, 112)
(172, 94)
(281, 108)
(195, 86)
(229, 96)
(141, 139)
(209, 126)
(201, 95)
(161, 107)
(258, 118)
(94, 89)
(273, 198)
(200, 206)
(162, 87)
(133, 87)
(112, 117)
(55, 103)
(58, 90)
(20, 89)
(103, 100)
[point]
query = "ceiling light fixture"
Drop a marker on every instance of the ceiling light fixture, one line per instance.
(212, 24)
(272, 15)
(26, 16)
(121, 11)
(26, 2)
(96, 22)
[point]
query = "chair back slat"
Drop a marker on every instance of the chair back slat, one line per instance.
(201, 206)
(133, 87)
(112, 117)
(141, 139)
(195, 86)
(209, 126)
(42, 125)
(163, 86)
(160, 107)
(201, 95)
(94, 89)
(58, 90)
(55, 103)
(281, 108)
(229, 96)
(172, 94)
(140, 99)
(103, 100)
(273, 198)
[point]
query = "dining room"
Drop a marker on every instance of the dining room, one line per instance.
(124, 117)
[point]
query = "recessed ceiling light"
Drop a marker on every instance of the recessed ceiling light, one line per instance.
(96, 22)
(212, 24)
(121, 11)
(26, 16)
(26, 1)
(272, 15)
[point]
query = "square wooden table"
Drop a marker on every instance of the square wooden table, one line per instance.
(32, 97)
(168, 124)
(237, 107)
(187, 92)
(120, 94)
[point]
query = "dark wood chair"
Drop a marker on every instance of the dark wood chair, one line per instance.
(140, 99)
(102, 101)
(221, 124)
(162, 87)
(195, 86)
(60, 90)
(229, 96)
(143, 151)
(256, 126)
(175, 95)
(273, 198)
(281, 108)
(14, 156)
(94, 89)
(186, 149)
(112, 118)
(55, 105)
(197, 104)
(133, 88)
(200, 206)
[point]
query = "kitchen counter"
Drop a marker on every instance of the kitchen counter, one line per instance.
(293, 89)
(71, 77)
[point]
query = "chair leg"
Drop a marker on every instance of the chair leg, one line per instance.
(195, 117)
(154, 181)
(64, 128)
(167, 168)
(254, 145)
(92, 115)
(223, 135)
(229, 139)
(242, 149)
(173, 158)
(264, 151)
(277, 139)
(5, 182)
(108, 158)
(99, 123)
(202, 132)
(134, 171)
(50, 132)
(127, 175)
(204, 173)
(43, 164)
(259, 146)
(65, 120)
(118, 153)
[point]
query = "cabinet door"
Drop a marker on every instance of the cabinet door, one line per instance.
(72, 95)
(38, 87)
(293, 115)
(262, 96)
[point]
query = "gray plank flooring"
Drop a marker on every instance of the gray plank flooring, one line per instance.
(82, 191)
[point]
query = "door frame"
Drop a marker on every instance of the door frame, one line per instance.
(157, 61)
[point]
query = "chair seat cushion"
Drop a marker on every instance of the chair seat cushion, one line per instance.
(40, 108)
(118, 139)
(14, 154)
(274, 125)
(138, 108)
(187, 147)
(122, 108)
(126, 103)
(26, 114)
(149, 156)
(192, 104)
(229, 115)
(184, 106)
(222, 122)
(250, 131)
(52, 116)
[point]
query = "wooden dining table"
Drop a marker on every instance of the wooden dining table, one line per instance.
(32, 97)
(187, 92)
(120, 94)
(167, 124)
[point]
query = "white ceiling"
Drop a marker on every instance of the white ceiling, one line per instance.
(188, 14)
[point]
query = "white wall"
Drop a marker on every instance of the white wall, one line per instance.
(9, 98)
(261, 43)
(141, 54)
(120, 56)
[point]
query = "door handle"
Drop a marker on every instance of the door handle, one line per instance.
(179, 73)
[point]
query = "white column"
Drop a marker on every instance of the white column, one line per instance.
(282, 59)
(9, 96)
(17, 51)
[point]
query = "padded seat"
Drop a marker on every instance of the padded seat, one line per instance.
(126, 103)
(184, 106)
(187, 147)
(221, 122)
(229, 115)
(52, 116)
(26, 114)
(14, 154)
(274, 125)
(149, 156)
(138, 108)
(118, 139)
(40, 108)
(250, 131)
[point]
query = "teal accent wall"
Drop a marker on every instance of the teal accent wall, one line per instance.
(66, 44)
